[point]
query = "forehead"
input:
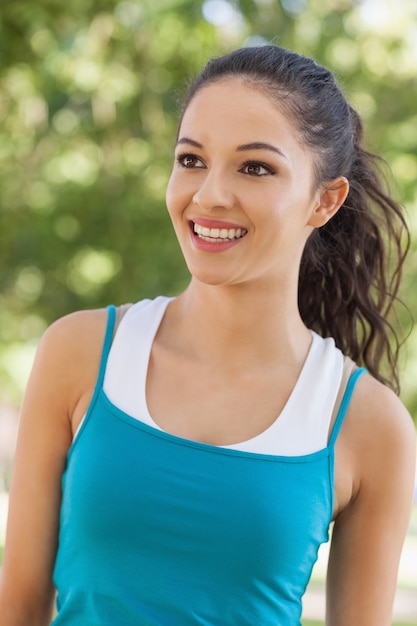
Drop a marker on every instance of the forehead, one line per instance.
(237, 111)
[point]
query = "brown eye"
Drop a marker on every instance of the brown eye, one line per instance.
(189, 161)
(253, 168)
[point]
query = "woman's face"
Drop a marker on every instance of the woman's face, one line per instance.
(241, 195)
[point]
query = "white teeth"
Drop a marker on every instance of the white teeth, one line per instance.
(219, 234)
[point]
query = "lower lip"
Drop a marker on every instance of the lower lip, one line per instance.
(213, 246)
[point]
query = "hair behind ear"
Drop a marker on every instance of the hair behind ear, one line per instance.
(351, 270)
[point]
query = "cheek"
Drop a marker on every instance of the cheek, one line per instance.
(179, 193)
(172, 195)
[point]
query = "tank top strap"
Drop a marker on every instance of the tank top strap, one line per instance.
(353, 379)
(108, 337)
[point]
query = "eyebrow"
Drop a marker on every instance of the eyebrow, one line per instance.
(254, 145)
(260, 145)
(189, 141)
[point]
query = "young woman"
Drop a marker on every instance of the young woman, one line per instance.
(187, 472)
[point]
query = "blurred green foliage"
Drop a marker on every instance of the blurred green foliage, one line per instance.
(89, 101)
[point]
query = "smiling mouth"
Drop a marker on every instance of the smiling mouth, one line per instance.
(218, 235)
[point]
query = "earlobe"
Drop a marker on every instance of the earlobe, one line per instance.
(331, 197)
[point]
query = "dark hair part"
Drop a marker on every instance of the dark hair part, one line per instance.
(351, 267)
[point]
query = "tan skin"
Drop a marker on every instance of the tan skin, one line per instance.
(209, 353)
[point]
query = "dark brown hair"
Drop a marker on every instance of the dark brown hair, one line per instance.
(351, 267)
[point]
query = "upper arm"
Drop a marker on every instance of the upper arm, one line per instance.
(70, 346)
(369, 532)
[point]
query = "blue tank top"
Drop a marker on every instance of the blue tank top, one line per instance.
(157, 530)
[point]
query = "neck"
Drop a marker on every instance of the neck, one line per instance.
(244, 324)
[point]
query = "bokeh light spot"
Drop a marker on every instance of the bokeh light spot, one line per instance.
(218, 12)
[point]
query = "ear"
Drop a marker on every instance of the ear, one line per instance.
(332, 195)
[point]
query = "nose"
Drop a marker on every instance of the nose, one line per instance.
(214, 191)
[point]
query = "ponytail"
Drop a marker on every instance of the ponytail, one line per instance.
(351, 270)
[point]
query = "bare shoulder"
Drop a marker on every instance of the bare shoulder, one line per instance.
(380, 440)
(77, 327)
(75, 335)
(68, 358)
(378, 415)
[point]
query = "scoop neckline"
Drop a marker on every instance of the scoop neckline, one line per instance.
(207, 447)
(279, 420)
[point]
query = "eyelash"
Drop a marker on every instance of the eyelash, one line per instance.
(182, 156)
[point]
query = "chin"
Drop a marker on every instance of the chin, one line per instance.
(212, 279)
(215, 274)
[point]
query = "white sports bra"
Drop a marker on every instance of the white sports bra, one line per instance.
(301, 428)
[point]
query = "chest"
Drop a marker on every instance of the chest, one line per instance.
(201, 403)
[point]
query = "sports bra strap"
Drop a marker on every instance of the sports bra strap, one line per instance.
(111, 320)
(353, 379)
(349, 367)
(121, 311)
